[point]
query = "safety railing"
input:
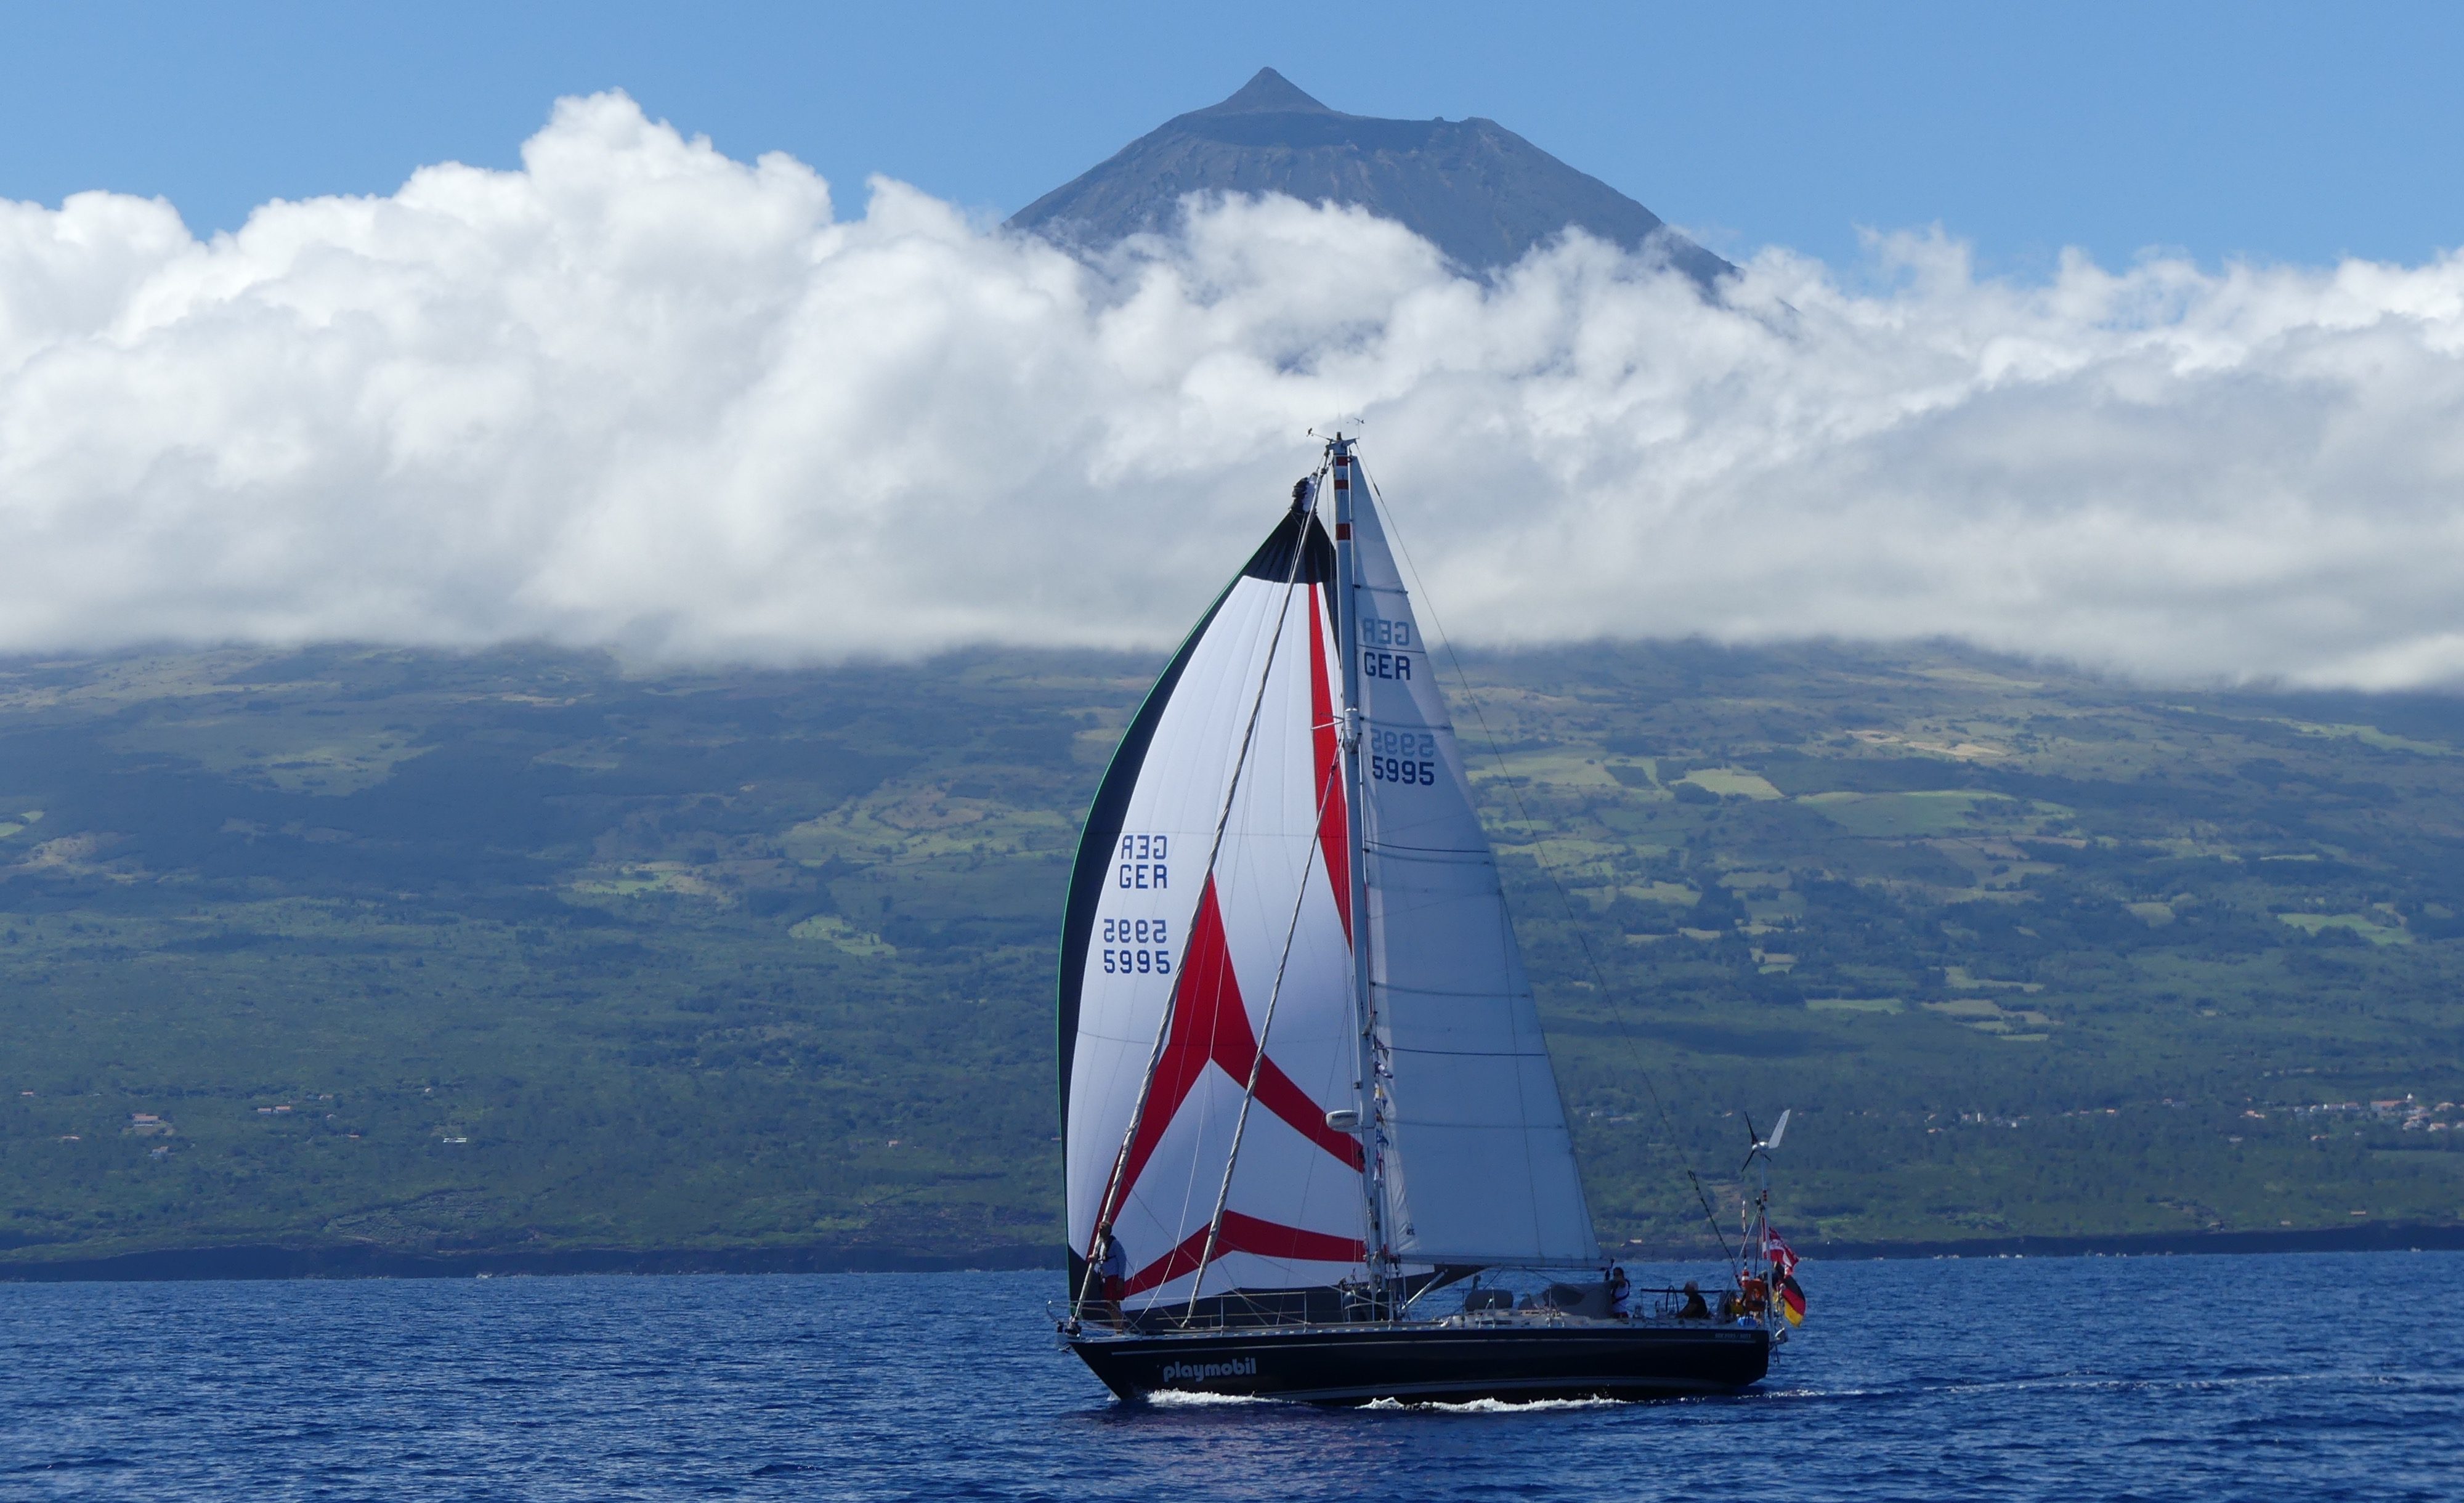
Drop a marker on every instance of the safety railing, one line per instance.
(1474, 1307)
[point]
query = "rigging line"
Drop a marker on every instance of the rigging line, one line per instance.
(1582, 940)
(1110, 1204)
(1266, 1026)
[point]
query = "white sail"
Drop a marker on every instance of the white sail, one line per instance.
(1477, 1165)
(1241, 731)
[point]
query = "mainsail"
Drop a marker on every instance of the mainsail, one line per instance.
(1217, 1135)
(1480, 1168)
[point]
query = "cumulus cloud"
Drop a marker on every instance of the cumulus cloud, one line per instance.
(640, 395)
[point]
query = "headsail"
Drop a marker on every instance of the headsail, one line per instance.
(1479, 1167)
(1237, 735)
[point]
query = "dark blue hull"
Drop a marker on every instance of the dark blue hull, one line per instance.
(1449, 1363)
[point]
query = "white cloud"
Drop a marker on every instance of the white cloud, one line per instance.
(642, 395)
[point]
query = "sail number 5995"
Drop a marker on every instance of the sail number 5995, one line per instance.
(1406, 757)
(1146, 948)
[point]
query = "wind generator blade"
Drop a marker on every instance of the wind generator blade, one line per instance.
(1779, 1130)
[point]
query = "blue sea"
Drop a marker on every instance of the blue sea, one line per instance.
(2319, 1376)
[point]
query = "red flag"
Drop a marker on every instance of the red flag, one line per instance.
(1783, 1260)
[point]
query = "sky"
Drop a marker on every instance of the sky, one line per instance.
(2268, 132)
(2136, 344)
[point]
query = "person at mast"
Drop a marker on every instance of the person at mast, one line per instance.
(1112, 1269)
(1621, 1295)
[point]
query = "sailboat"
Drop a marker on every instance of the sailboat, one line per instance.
(1314, 1146)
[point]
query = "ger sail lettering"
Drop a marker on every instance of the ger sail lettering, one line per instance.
(1142, 866)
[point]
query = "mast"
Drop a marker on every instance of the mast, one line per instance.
(1348, 736)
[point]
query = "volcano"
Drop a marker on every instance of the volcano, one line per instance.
(1477, 191)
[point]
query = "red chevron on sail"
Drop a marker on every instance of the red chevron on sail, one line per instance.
(1211, 1025)
(1241, 1234)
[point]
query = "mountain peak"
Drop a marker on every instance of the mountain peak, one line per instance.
(1479, 192)
(1266, 92)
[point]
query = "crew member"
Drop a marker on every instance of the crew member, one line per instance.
(1754, 1292)
(1112, 1269)
(1621, 1295)
(1695, 1309)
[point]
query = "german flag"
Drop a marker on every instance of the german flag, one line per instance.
(1783, 1266)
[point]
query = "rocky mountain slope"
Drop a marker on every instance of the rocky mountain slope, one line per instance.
(1477, 191)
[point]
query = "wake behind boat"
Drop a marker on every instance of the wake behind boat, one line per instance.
(1314, 1146)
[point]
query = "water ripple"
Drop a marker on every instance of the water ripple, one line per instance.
(2091, 1379)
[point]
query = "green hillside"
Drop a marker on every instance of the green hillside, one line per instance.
(518, 951)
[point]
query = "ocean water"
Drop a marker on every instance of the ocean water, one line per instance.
(2293, 1377)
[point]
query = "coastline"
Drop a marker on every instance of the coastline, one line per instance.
(2384, 1237)
(368, 1260)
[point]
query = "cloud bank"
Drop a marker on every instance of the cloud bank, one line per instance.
(639, 395)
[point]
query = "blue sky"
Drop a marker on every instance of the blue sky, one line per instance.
(2270, 132)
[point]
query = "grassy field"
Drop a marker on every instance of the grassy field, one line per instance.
(518, 950)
